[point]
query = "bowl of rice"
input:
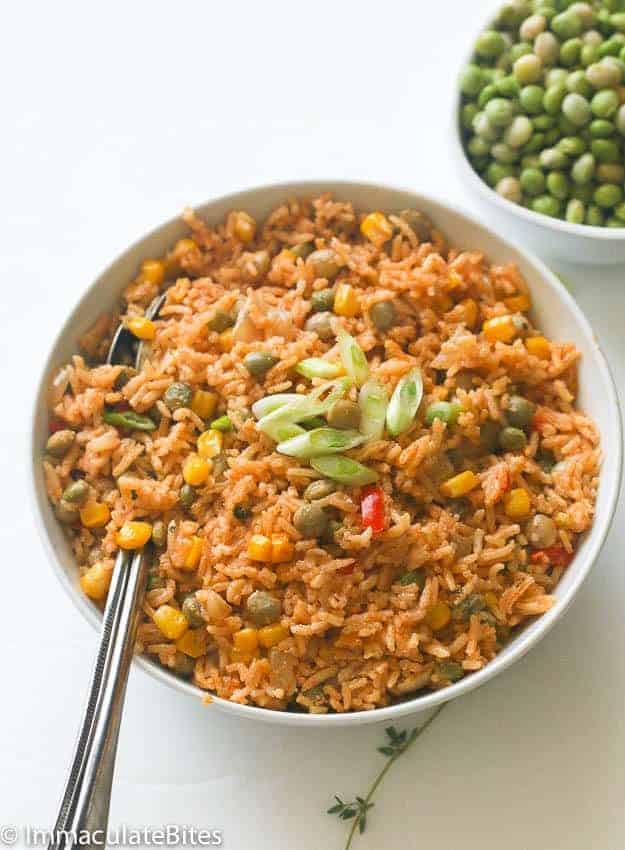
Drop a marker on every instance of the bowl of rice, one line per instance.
(362, 447)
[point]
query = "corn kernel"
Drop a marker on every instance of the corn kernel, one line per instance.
(517, 503)
(281, 548)
(193, 553)
(470, 312)
(194, 642)
(346, 301)
(95, 514)
(455, 280)
(440, 393)
(538, 346)
(196, 470)
(141, 327)
(438, 616)
(377, 228)
(499, 329)
(95, 582)
(518, 303)
(259, 548)
(561, 519)
(237, 657)
(153, 271)
(491, 600)
(460, 484)
(210, 443)
(204, 403)
(269, 636)
(133, 535)
(443, 302)
(246, 641)
(226, 340)
(172, 622)
(173, 264)
(244, 227)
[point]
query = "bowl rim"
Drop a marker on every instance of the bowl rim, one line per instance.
(589, 231)
(524, 642)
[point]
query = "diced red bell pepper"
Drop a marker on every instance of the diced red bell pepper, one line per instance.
(557, 556)
(55, 425)
(372, 508)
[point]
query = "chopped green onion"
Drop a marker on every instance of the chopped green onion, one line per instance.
(405, 402)
(224, 423)
(313, 422)
(373, 401)
(128, 419)
(317, 367)
(305, 407)
(270, 403)
(321, 441)
(344, 470)
(448, 411)
(353, 357)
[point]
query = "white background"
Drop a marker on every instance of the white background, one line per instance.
(114, 116)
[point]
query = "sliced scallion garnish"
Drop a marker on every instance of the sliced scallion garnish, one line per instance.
(344, 470)
(405, 402)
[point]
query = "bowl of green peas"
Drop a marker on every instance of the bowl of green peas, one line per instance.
(540, 119)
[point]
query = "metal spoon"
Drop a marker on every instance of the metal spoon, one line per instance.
(85, 804)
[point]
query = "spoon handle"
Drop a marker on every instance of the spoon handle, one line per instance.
(85, 803)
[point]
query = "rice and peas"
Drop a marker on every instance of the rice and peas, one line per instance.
(356, 464)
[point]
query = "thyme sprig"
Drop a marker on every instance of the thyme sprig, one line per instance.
(396, 745)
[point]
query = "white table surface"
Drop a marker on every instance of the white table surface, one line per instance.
(115, 116)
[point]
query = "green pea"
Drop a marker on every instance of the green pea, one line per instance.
(577, 82)
(605, 103)
(186, 495)
(509, 188)
(192, 610)
(589, 55)
(601, 129)
(504, 153)
(530, 161)
(512, 439)
(508, 86)
(552, 101)
(620, 120)
(605, 150)
(483, 128)
(490, 44)
(567, 25)
(496, 171)
(535, 144)
(577, 109)
(519, 412)
(220, 321)
(445, 410)
(547, 47)
(594, 216)
(383, 315)
(522, 48)
(528, 68)
(531, 99)
(610, 47)
(76, 493)
(323, 299)
(558, 184)
(546, 205)
(612, 221)
(532, 181)
(608, 195)
(617, 20)
(603, 74)
(570, 52)
(552, 136)
(450, 671)
(610, 172)
(259, 362)
(554, 76)
(469, 111)
(583, 169)
(178, 395)
(544, 122)
(159, 534)
(575, 212)
(472, 81)
(571, 146)
(487, 93)
(519, 132)
(499, 111)
(552, 158)
(619, 212)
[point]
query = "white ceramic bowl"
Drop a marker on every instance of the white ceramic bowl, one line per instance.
(551, 237)
(557, 314)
